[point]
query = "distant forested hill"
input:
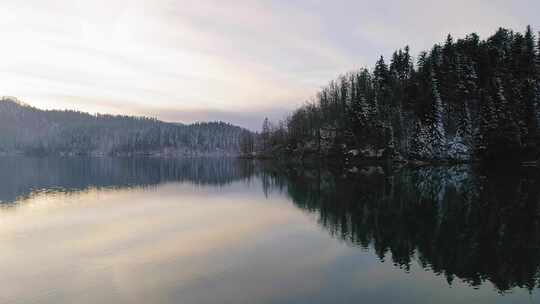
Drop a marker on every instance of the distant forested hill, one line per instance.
(25, 129)
(463, 99)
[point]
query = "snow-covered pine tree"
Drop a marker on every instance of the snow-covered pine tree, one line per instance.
(359, 106)
(530, 87)
(467, 93)
(420, 144)
(438, 134)
(381, 79)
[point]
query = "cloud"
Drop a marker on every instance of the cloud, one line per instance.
(243, 57)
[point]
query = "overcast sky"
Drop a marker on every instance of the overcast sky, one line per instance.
(236, 61)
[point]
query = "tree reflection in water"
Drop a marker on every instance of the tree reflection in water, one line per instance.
(456, 221)
(24, 176)
(459, 222)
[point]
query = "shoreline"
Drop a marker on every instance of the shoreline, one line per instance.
(356, 161)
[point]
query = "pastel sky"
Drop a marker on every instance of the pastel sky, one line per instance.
(233, 60)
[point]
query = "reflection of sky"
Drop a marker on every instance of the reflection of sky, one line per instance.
(205, 60)
(179, 243)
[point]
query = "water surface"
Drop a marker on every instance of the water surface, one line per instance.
(83, 230)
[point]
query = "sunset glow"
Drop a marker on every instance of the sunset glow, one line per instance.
(205, 60)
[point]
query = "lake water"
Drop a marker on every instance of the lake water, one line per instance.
(82, 230)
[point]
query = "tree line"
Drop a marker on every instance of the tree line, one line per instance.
(25, 129)
(464, 99)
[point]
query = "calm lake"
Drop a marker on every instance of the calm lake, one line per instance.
(136, 230)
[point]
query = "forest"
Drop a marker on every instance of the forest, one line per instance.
(463, 100)
(28, 130)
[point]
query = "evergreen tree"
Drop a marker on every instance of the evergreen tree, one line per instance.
(265, 134)
(530, 87)
(438, 133)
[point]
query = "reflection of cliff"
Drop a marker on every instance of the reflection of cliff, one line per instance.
(21, 176)
(452, 220)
